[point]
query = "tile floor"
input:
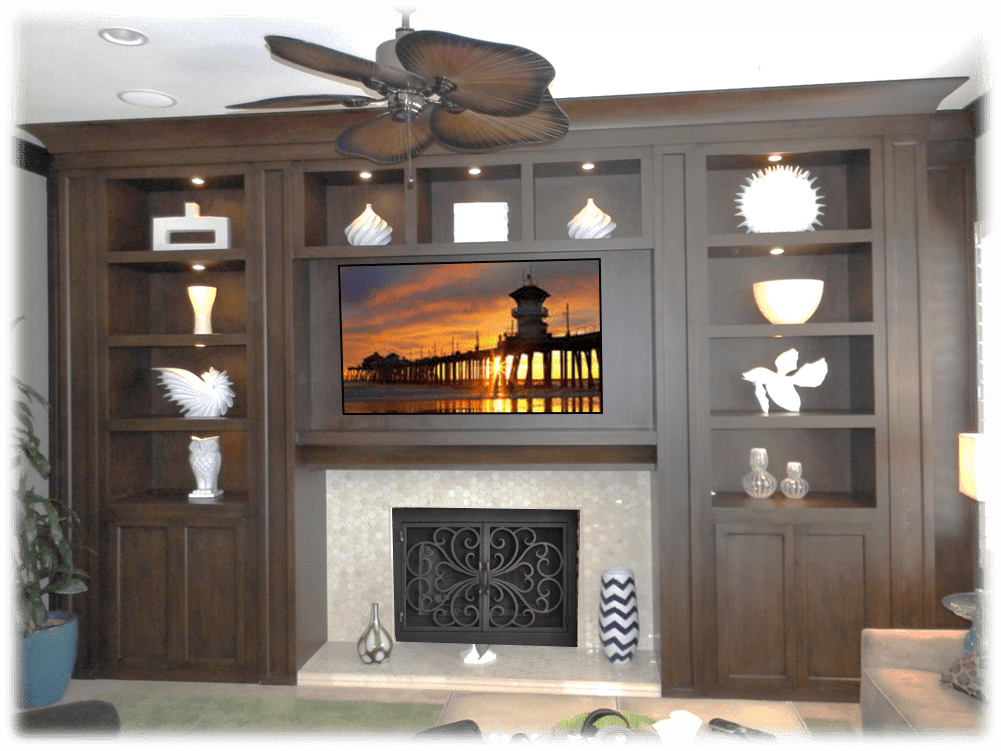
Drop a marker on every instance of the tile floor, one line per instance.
(508, 713)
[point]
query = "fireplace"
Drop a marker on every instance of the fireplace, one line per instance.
(615, 530)
(491, 576)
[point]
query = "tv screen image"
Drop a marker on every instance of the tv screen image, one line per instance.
(483, 337)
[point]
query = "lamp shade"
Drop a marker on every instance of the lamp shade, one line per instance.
(788, 300)
(972, 464)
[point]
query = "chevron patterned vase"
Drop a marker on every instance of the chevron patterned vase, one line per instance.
(618, 620)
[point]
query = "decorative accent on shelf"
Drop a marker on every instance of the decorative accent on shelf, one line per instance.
(208, 396)
(368, 228)
(479, 654)
(590, 223)
(784, 301)
(191, 224)
(202, 300)
(206, 461)
(780, 385)
(480, 222)
(794, 486)
(759, 482)
(780, 198)
(375, 644)
(618, 616)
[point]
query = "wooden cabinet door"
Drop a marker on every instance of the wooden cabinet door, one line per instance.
(179, 600)
(755, 605)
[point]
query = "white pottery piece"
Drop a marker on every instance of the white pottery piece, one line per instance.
(211, 395)
(368, 228)
(202, 300)
(164, 229)
(780, 385)
(206, 461)
(780, 198)
(618, 616)
(590, 223)
(784, 301)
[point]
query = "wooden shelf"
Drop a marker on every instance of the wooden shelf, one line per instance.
(182, 424)
(778, 502)
(177, 340)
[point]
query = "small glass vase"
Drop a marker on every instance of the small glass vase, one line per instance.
(375, 644)
(759, 482)
(794, 486)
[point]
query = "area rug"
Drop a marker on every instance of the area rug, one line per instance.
(167, 713)
(831, 731)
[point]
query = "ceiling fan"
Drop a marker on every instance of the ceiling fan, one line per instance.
(467, 94)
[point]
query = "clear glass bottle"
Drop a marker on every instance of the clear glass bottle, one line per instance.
(794, 486)
(759, 482)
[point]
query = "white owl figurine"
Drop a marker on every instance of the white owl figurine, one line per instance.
(211, 395)
(206, 461)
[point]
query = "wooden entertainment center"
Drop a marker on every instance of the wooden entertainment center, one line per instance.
(757, 598)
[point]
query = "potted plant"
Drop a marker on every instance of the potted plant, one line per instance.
(45, 564)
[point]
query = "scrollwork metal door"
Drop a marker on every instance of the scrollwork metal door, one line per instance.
(492, 576)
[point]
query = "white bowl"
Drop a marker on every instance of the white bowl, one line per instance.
(788, 300)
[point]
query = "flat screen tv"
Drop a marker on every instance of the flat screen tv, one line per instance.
(471, 337)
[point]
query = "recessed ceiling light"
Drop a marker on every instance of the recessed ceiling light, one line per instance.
(147, 98)
(474, 170)
(198, 267)
(587, 165)
(774, 157)
(197, 180)
(366, 175)
(777, 251)
(127, 37)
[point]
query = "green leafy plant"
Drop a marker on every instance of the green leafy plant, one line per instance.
(45, 547)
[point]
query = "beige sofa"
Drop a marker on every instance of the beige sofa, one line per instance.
(902, 691)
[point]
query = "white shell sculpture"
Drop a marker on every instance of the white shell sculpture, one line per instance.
(590, 223)
(368, 228)
(206, 461)
(208, 396)
(780, 198)
(780, 385)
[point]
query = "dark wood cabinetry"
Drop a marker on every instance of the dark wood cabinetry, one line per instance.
(756, 597)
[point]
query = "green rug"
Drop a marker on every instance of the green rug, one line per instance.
(167, 712)
(822, 727)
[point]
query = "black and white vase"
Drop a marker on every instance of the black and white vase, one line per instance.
(618, 619)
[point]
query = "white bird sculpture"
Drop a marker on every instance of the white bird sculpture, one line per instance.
(211, 395)
(780, 384)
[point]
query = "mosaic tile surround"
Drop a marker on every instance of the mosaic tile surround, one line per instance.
(615, 532)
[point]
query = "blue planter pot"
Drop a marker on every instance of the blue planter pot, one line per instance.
(47, 661)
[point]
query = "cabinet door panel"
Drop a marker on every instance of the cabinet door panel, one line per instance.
(754, 566)
(142, 594)
(833, 580)
(214, 603)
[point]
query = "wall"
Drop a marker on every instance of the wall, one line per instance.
(614, 532)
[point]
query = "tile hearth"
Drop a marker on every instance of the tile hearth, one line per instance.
(517, 669)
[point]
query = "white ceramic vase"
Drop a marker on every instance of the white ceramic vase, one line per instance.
(618, 616)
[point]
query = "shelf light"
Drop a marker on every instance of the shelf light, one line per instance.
(774, 157)
(198, 267)
(587, 166)
(474, 170)
(365, 175)
(777, 251)
(197, 180)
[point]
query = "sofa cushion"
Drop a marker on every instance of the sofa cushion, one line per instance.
(920, 699)
(963, 676)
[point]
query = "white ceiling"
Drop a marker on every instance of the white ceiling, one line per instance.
(64, 72)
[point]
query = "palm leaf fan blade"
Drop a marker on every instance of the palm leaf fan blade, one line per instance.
(386, 140)
(304, 100)
(472, 131)
(496, 79)
(320, 59)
